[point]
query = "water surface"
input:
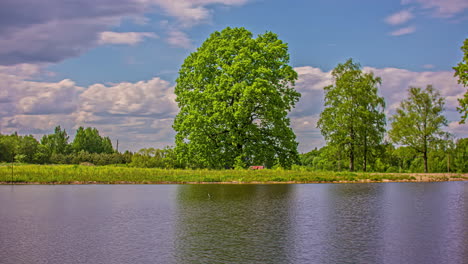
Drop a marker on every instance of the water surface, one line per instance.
(309, 223)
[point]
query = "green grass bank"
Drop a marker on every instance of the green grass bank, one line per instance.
(79, 174)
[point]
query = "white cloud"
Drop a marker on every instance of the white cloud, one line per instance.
(51, 41)
(48, 98)
(428, 66)
(458, 129)
(403, 31)
(126, 111)
(304, 117)
(37, 125)
(441, 8)
(20, 70)
(178, 38)
(191, 11)
(128, 38)
(307, 133)
(140, 114)
(313, 78)
(21, 96)
(53, 30)
(399, 17)
(145, 98)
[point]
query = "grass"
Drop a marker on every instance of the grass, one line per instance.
(76, 174)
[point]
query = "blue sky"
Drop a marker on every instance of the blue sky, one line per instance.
(112, 64)
(318, 33)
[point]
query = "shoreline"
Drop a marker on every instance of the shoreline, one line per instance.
(234, 182)
(78, 174)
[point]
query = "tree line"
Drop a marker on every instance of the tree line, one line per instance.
(235, 91)
(88, 146)
(354, 123)
(234, 94)
(446, 156)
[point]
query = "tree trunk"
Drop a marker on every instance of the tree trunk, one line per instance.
(425, 161)
(339, 159)
(351, 158)
(364, 166)
(425, 152)
(351, 152)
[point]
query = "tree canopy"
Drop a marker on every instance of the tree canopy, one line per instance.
(57, 143)
(461, 70)
(234, 95)
(353, 119)
(418, 121)
(89, 140)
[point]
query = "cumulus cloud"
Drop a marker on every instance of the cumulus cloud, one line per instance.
(191, 11)
(48, 98)
(458, 129)
(304, 117)
(145, 98)
(140, 114)
(441, 8)
(34, 107)
(179, 39)
(310, 84)
(403, 31)
(128, 38)
(19, 71)
(395, 83)
(36, 125)
(399, 17)
(29, 97)
(50, 31)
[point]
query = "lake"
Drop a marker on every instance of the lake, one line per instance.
(302, 223)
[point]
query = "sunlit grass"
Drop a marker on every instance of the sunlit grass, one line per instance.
(69, 174)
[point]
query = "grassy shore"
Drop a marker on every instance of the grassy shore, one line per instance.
(78, 174)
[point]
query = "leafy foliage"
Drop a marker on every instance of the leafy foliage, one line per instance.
(234, 94)
(57, 143)
(353, 118)
(88, 146)
(461, 70)
(445, 156)
(89, 140)
(418, 121)
(155, 158)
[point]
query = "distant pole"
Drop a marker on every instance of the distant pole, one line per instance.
(11, 173)
(117, 146)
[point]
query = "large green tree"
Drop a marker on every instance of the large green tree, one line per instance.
(461, 70)
(234, 95)
(353, 118)
(418, 121)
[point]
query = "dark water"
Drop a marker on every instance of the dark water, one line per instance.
(313, 223)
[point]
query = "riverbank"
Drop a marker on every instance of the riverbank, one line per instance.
(79, 174)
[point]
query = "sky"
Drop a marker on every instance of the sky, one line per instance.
(112, 64)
